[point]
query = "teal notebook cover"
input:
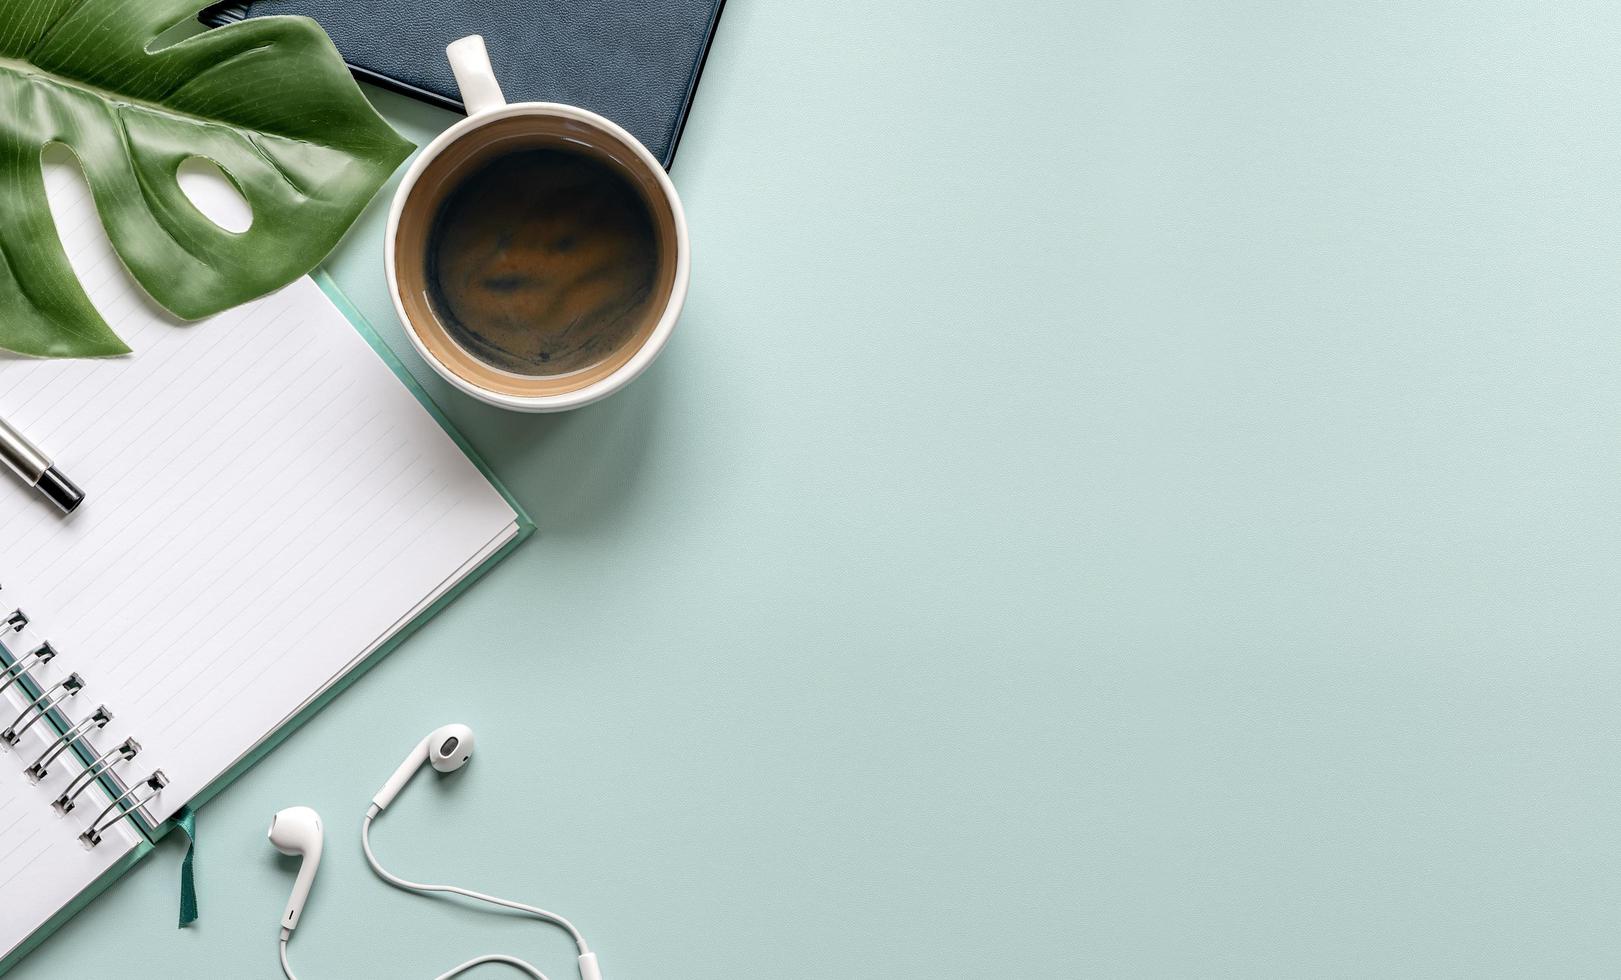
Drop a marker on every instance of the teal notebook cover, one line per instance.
(526, 528)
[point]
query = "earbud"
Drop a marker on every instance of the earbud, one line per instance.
(296, 831)
(448, 748)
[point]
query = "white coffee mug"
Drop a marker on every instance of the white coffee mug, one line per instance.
(490, 120)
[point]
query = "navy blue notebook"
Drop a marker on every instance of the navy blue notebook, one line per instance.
(635, 61)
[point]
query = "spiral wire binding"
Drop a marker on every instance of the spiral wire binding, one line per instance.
(48, 701)
(15, 622)
(15, 669)
(40, 769)
(41, 656)
(155, 782)
(122, 752)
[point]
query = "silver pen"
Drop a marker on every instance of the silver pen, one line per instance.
(36, 469)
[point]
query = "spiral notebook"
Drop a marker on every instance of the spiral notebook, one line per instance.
(269, 509)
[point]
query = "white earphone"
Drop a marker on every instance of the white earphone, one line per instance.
(297, 831)
(448, 748)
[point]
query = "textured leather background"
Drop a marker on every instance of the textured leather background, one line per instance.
(634, 61)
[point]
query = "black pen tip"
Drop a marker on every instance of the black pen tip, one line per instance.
(60, 490)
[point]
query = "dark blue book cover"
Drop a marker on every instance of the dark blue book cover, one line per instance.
(635, 61)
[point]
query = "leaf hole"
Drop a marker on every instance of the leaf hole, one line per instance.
(90, 253)
(214, 194)
(187, 26)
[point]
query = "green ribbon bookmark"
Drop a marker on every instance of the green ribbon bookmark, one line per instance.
(186, 820)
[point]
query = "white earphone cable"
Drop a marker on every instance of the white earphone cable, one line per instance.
(296, 831)
(493, 958)
(365, 842)
(413, 886)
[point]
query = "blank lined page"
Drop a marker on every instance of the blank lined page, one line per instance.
(266, 502)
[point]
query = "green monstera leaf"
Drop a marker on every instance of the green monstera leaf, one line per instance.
(269, 101)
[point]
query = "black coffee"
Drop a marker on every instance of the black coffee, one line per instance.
(543, 262)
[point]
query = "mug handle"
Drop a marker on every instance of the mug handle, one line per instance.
(470, 62)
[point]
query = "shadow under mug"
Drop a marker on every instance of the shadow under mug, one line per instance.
(494, 128)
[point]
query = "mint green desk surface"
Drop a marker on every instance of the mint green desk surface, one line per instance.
(1136, 493)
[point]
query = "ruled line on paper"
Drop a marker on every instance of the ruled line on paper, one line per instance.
(265, 502)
